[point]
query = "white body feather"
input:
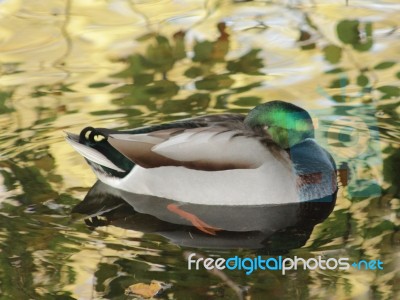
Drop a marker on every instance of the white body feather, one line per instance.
(272, 181)
(268, 184)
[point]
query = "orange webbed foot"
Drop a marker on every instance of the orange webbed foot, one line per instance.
(196, 222)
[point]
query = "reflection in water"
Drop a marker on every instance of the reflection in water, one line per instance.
(264, 227)
(120, 64)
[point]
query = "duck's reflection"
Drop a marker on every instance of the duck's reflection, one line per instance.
(274, 228)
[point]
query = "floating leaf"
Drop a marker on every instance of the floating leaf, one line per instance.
(362, 80)
(384, 65)
(147, 290)
(332, 53)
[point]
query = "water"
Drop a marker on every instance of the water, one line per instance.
(121, 64)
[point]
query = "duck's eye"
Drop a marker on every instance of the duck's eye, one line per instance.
(95, 136)
(98, 138)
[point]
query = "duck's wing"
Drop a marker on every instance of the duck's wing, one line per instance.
(227, 120)
(221, 146)
(212, 142)
(135, 146)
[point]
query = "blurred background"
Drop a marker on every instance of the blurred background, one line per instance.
(122, 64)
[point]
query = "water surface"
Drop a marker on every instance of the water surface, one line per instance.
(121, 64)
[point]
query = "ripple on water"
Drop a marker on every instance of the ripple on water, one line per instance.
(58, 73)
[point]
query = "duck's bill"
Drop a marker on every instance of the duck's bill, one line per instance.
(90, 153)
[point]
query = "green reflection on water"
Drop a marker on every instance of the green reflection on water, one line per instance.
(111, 64)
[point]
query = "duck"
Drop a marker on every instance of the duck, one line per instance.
(267, 157)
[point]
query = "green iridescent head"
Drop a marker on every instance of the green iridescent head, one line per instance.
(287, 124)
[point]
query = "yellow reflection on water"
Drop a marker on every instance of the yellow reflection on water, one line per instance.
(65, 65)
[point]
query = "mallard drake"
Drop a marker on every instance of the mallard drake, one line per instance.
(269, 156)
